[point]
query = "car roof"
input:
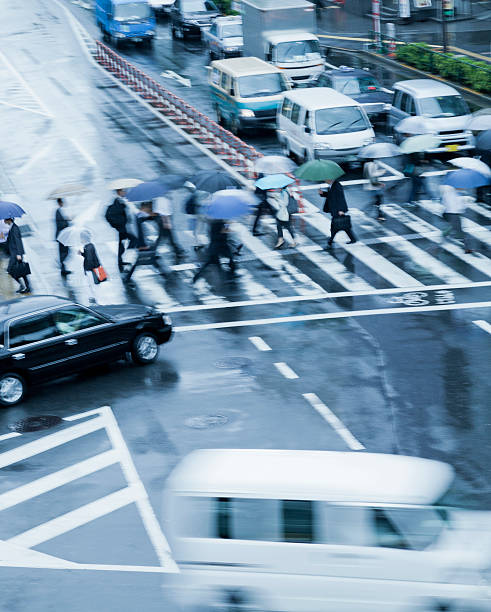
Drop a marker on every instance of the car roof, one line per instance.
(21, 306)
(244, 65)
(322, 475)
(228, 19)
(425, 88)
(348, 72)
(274, 4)
(129, 1)
(314, 98)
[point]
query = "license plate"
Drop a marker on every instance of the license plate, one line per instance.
(452, 147)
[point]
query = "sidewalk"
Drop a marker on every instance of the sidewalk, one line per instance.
(350, 31)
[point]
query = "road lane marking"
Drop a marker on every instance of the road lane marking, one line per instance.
(259, 343)
(483, 325)
(285, 369)
(333, 421)
(325, 295)
(13, 434)
(57, 479)
(330, 315)
(51, 441)
(76, 518)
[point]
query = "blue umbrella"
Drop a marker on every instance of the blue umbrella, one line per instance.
(213, 180)
(231, 204)
(154, 189)
(466, 179)
(274, 181)
(9, 210)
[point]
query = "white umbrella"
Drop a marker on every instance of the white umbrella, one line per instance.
(123, 183)
(473, 164)
(414, 125)
(422, 142)
(274, 164)
(74, 235)
(68, 189)
(479, 123)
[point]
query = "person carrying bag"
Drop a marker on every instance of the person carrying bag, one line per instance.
(335, 204)
(18, 269)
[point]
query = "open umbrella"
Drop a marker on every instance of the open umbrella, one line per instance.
(212, 181)
(274, 164)
(473, 164)
(231, 204)
(414, 125)
(482, 111)
(74, 235)
(153, 189)
(483, 141)
(9, 210)
(378, 150)
(274, 181)
(466, 179)
(319, 170)
(479, 123)
(416, 144)
(123, 183)
(68, 189)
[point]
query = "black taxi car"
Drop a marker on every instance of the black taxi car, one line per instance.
(45, 337)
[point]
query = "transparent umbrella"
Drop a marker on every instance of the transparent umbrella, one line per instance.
(74, 235)
(417, 144)
(379, 150)
(274, 164)
(68, 189)
(123, 183)
(472, 163)
(479, 123)
(414, 125)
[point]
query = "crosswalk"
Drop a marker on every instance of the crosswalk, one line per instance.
(406, 251)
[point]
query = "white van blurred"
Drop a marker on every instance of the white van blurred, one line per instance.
(322, 531)
(321, 123)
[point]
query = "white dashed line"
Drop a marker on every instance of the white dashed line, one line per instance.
(333, 421)
(483, 325)
(14, 434)
(259, 343)
(285, 369)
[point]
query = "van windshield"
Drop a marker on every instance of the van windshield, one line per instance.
(443, 106)
(232, 30)
(257, 85)
(198, 6)
(131, 11)
(298, 51)
(340, 120)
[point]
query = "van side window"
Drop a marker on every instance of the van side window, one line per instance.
(295, 112)
(224, 81)
(397, 99)
(307, 120)
(387, 533)
(286, 108)
(408, 528)
(409, 105)
(297, 521)
(246, 519)
(215, 76)
(224, 516)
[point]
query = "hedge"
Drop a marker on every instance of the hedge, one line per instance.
(472, 73)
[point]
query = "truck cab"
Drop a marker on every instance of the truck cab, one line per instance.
(297, 53)
(125, 20)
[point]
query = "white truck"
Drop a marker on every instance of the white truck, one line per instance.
(282, 32)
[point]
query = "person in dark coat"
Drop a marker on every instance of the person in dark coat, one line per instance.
(335, 204)
(15, 250)
(61, 222)
(219, 247)
(117, 217)
(263, 208)
(91, 261)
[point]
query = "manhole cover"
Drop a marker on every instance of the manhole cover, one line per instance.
(36, 423)
(206, 420)
(233, 363)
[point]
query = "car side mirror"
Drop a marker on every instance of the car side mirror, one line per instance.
(269, 56)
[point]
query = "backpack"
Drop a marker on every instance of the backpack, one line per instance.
(190, 204)
(292, 205)
(111, 217)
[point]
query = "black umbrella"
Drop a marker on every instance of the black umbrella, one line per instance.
(211, 181)
(483, 141)
(154, 189)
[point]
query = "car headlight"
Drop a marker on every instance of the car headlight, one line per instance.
(322, 145)
(119, 34)
(246, 112)
(166, 319)
(150, 33)
(230, 49)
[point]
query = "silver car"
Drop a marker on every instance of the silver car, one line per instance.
(224, 38)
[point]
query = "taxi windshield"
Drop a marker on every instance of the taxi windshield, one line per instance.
(232, 30)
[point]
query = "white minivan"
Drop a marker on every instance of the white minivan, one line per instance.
(322, 531)
(321, 123)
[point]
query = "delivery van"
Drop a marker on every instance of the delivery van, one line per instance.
(125, 20)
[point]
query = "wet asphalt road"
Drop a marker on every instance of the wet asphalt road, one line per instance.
(403, 382)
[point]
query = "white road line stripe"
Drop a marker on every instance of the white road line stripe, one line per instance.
(285, 369)
(51, 441)
(416, 224)
(325, 296)
(76, 518)
(380, 265)
(334, 421)
(479, 209)
(147, 514)
(13, 434)
(259, 343)
(483, 325)
(331, 315)
(82, 415)
(57, 479)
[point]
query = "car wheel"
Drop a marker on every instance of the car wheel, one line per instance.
(145, 348)
(12, 389)
(174, 33)
(220, 120)
(235, 126)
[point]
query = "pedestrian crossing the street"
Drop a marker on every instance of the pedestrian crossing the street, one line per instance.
(406, 251)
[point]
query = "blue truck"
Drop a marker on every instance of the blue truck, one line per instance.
(125, 20)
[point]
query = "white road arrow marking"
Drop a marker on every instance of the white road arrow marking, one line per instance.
(170, 74)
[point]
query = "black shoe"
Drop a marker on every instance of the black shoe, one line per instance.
(351, 242)
(329, 245)
(258, 233)
(25, 290)
(65, 273)
(20, 290)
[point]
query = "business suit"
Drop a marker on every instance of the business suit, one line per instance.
(15, 250)
(335, 204)
(61, 223)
